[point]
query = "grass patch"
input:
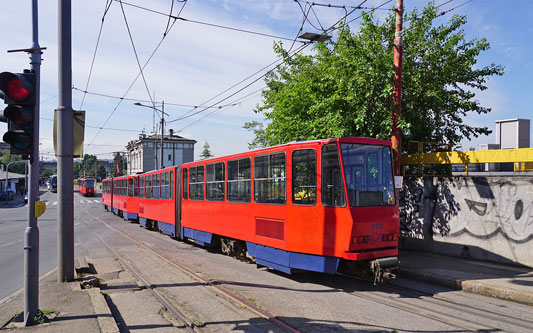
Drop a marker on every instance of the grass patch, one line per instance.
(41, 316)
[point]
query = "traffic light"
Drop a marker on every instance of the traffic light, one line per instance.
(20, 99)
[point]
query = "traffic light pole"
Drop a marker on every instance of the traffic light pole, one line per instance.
(31, 240)
(65, 148)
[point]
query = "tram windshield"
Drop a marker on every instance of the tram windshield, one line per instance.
(368, 173)
(89, 183)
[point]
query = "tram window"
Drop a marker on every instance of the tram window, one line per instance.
(196, 183)
(171, 184)
(148, 190)
(130, 187)
(304, 177)
(240, 180)
(164, 185)
(155, 186)
(185, 187)
(141, 187)
(214, 182)
(332, 183)
(136, 187)
(269, 179)
(368, 174)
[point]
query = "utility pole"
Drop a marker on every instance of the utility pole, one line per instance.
(162, 133)
(396, 137)
(65, 172)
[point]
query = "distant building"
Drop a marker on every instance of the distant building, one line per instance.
(510, 134)
(47, 165)
(144, 153)
(4, 146)
(14, 182)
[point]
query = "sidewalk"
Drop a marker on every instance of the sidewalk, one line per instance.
(18, 201)
(506, 282)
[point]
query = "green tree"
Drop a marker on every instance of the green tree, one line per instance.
(15, 167)
(47, 173)
(87, 168)
(100, 171)
(77, 168)
(258, 129)
(206, 153)
(345, 87)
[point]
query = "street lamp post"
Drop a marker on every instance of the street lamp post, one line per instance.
(162, 128)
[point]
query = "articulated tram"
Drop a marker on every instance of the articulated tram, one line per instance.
(315, 205)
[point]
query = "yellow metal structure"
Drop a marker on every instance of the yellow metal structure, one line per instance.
(521, 157)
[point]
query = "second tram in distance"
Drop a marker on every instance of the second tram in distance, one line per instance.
(86, 186)
(314, 205)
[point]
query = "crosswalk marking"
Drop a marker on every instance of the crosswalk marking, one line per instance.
(86, 201)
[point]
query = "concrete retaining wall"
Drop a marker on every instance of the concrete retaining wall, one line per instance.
(487, 218)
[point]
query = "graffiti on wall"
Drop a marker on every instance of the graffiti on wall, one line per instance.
(480, 206)
(493, 205)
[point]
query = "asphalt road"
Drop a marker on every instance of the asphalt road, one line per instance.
(13, 222)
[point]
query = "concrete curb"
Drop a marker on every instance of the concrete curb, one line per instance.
(106, 321)
(471, 286)
(524, 297)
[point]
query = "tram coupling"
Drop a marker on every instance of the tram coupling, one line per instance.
(384, 268)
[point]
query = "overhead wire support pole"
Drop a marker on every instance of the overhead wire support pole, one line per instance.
(396, 136)
(162, 166)
(31, 234)
(65, 194)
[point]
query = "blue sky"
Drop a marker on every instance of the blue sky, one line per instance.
(195, 62)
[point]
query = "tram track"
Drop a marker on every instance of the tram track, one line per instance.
(188, 324)
(427, 305)
(445, 301)
(437, 301)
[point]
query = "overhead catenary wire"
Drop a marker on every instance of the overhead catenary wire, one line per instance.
(438, 14)
(106, 9)
(244, 98)
(136, 55)
(340, 6)
(136, 99)
(204, 108)
(98, 127)
(302, 47)
(206, 23)
(332, 28)
(138, 74)
(188, 114)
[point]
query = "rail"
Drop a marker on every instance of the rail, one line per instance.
(522, 158)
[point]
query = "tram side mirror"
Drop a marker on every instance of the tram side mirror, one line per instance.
(398, 182)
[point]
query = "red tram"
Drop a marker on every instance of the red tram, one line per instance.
(124, 197)
(304, 205)
(86, 186)
(107, 193)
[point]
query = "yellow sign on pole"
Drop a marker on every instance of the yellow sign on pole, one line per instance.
(40, 208)
(78, 132)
